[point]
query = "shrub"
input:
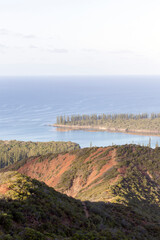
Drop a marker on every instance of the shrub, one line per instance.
(5, 221)
(31, 234)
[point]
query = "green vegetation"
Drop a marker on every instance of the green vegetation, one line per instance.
(124, 191)
(138, 171)
(14, 151)
(31, 210)
(141, 179)
(139, 123)
(83, 168)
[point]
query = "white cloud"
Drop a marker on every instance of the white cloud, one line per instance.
(58, 50)
(90, 50)
(3, 46)
(6, 32)
(33, 47)
(122, 52)
(91, 36)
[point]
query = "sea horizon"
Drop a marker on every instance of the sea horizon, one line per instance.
(28, 106)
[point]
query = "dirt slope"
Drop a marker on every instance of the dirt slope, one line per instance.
(112, 174)
(48, 170)
(75, 172)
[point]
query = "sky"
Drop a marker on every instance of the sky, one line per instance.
(86, 37)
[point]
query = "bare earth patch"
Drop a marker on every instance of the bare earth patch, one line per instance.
(51, 170)
(4, 188)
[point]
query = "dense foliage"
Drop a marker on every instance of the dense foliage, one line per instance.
(93, 118)
(140, 179)
(14, 151)
(30, 210)
(119, 122)
(127, 174)
(128, 186)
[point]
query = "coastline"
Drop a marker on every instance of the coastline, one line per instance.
(89, 128)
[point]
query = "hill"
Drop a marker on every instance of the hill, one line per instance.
(14, 151)
(30, 210)
(129, 175)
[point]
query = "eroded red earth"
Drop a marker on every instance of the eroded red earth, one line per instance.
(50, 171)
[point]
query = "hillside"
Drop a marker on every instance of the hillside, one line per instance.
(14, 151)
(30, 210)
(127, 174)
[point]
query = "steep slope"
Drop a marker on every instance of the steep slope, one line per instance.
(126, 174)
(30, 210)
(75, 171)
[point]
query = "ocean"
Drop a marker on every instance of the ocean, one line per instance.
(29, 104)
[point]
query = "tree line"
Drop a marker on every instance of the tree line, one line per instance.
(14, 151)
(102, 118)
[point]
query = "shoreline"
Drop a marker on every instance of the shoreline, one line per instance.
(89, 128)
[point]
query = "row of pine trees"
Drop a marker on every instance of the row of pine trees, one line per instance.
(14, 151)
(102, 118)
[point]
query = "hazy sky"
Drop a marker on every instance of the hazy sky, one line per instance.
(79, 37)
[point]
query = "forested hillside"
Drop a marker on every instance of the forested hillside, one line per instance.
(30, 210)
(14, 151)
(128, 175)
(87, 168)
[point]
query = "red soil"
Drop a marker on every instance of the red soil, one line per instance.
(115, 179)
(49, 171)
(95, 175)
(122, 170)
(95, 154)
(78, 183)
(4, 188)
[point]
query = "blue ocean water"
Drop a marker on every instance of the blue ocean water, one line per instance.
(29, 104)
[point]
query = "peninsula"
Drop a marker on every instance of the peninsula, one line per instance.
(126, 123)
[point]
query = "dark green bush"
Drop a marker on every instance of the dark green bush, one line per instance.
(31, 234)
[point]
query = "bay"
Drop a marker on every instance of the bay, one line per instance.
(29, 104)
